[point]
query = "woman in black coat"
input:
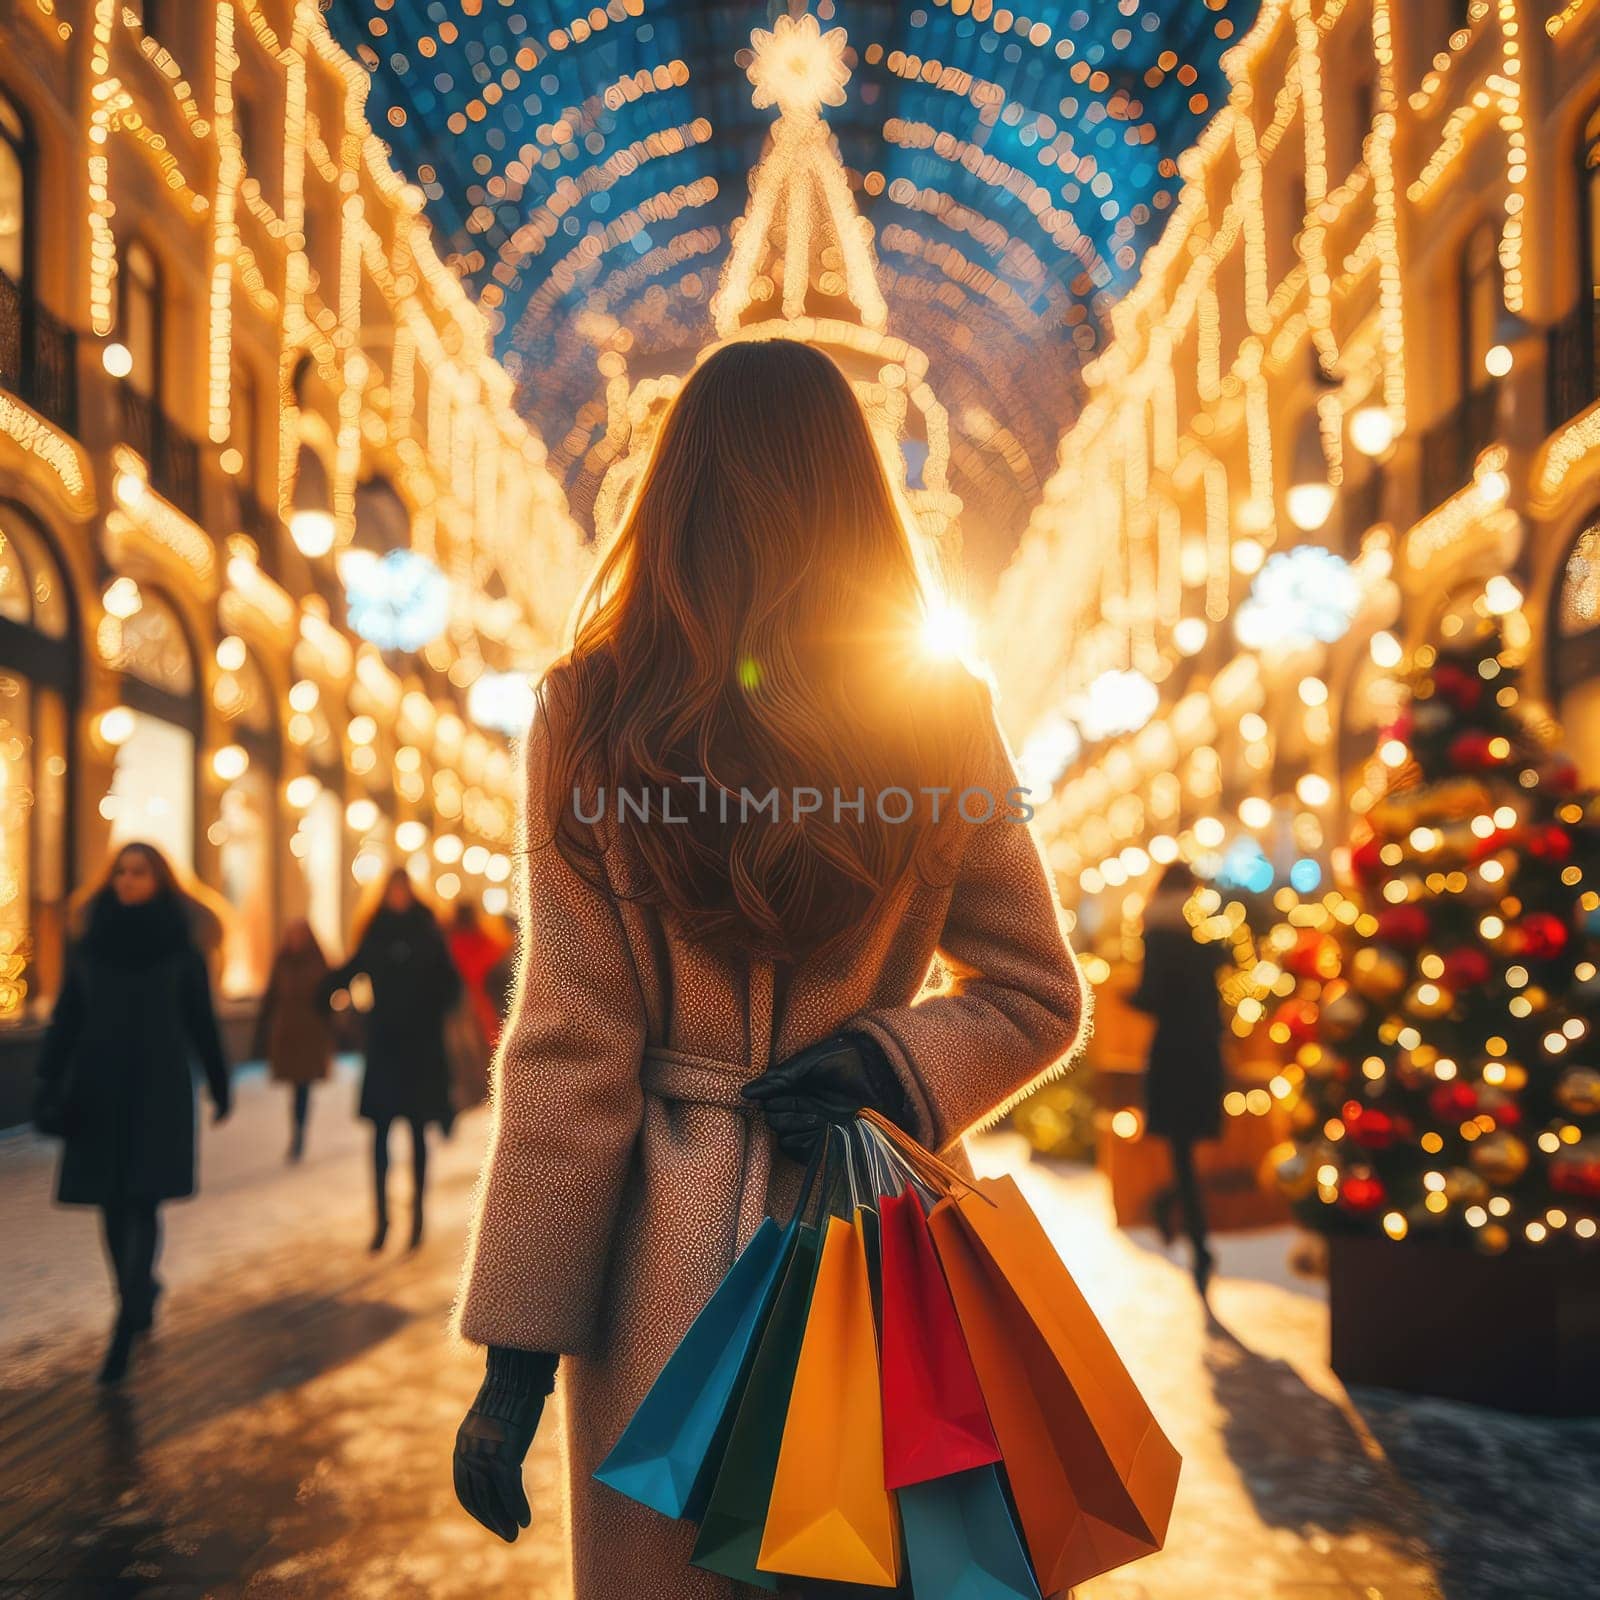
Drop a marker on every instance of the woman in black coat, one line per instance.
(414, 987)
(116, 1080)
(1183, 1075)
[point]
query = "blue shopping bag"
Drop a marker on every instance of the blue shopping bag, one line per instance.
(669, 1452)
(961, 1541)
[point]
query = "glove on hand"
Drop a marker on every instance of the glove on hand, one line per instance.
(823, 1084)
(494, 1437)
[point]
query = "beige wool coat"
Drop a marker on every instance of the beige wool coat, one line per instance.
(624, 1172)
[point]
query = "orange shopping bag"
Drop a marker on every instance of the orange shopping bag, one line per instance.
(830, 1515)
(1091, 1472)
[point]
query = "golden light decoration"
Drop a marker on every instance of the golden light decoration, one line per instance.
(797, 67)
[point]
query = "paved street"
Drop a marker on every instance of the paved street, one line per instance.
(287, 1432)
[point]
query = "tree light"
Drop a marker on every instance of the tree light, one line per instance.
(303, 695)
(1189, 635)
(231, 653)
(302, 791)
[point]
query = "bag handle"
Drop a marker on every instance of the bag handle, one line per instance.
(921, 1162)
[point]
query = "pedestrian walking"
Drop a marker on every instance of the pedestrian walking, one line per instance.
(477, 947)
(1183, 1072)
(699, 999)
(401, 952)
(116, 1073)
(293, 1035)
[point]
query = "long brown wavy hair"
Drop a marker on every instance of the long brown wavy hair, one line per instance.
(756, 624)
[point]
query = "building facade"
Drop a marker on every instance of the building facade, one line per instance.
(234, 380)
(1353, 392)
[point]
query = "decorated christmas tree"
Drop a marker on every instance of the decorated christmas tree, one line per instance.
(1443, 1071)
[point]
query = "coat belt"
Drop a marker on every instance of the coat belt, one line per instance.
(689, 1079)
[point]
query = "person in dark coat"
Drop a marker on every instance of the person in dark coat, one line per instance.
(116, 1079)
(293, 1034)
(403, 955)
(1183, 1075)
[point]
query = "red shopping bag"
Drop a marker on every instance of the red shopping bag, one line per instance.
(934, 1419)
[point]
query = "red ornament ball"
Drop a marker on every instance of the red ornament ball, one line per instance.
(1542, 936)
(1469, 752)
(1462, 689)
(1553, 843)
(1453, 1102)
(1361, 1193)
(1368, 1126)
(1366, 860)
(1404, 926)
(1466, 968)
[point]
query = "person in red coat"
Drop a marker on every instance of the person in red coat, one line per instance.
(477, 950)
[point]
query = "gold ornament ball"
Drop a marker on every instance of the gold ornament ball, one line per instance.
(1342, 1016)
(1501, 1157)
(1578, 1091)
(1287, 1166)
(1378, 972)
(1463, 1186)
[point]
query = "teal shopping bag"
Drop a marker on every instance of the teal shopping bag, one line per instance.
(736, 1512)
(668, 1454)
(961, 1541)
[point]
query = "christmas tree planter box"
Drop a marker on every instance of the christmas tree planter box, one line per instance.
(1519, 1331)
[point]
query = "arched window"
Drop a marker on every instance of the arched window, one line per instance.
(14, 192)
(1574, 647)
(38, 677)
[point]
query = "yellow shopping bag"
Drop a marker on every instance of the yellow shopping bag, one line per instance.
(830, 1515)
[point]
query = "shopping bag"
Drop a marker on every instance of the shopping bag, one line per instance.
(934, 1420)
(961, 1543)
(1091, 1472)
(831, 1515)
(736, 1510)
(668, 1454)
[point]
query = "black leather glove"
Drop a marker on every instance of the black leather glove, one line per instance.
(823, 1084)
(494, 1437)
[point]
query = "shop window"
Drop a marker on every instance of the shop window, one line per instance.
(152, 793)
(243, 832)
(318, 846)
(152, 789)
(13, 192)
(36, 680)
